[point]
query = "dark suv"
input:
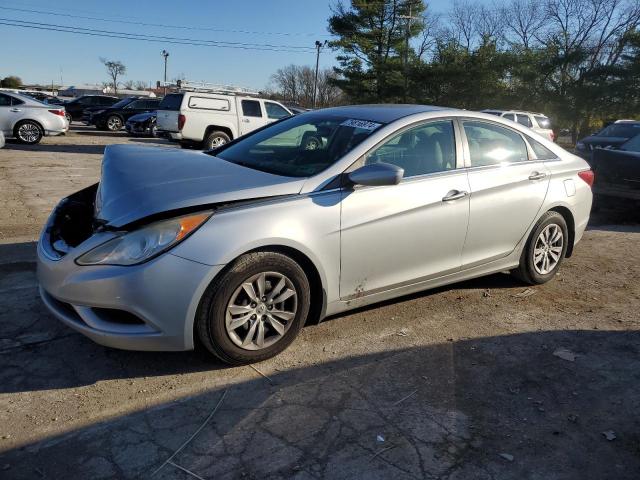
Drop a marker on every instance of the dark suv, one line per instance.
(76, 107)
(612, 136)
(114, 117)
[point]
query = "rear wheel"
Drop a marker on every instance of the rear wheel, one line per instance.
(28, 131)
(68, 117)
(545, 249)
(215, 140)
(114, 123)
(255, 309)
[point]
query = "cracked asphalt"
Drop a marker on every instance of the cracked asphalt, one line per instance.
(456, 383)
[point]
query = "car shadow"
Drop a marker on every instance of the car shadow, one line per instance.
(482, 408)
(56, 148)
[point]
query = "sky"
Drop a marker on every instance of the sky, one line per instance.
(45, 56)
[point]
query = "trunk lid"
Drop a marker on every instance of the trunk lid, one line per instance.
(138, 182)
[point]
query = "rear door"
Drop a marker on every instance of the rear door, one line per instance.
(168, 111)
(508, 186)
(251, 115)
(5, 113)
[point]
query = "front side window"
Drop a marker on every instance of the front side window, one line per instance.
(491, 144)
(251, 108)
(275, 111)
(428, 148)
(298, 146)
(122, 103)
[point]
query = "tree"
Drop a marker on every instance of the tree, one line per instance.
(294, 84)
(11, 82)
(372, 40)
(115, 68)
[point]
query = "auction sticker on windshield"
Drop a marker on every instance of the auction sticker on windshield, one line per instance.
(363, 124)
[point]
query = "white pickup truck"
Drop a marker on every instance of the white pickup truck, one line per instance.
(210, 119)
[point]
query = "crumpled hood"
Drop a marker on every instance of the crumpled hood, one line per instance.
(140, 181)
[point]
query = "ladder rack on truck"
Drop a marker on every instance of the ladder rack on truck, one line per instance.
(204, 87)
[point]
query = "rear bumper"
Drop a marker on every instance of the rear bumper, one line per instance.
(174, 136)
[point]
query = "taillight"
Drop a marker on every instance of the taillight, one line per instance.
(181, 120)
(58, 112)
(587, 176)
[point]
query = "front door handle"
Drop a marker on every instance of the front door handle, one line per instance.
(454, 195)
(245, 120)
(537, 176)
(15, 110)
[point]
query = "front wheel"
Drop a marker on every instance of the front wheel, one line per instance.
(255, 309)
(28, 132)
(545, 249)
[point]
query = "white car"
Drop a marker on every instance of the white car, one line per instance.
(538, 122)
(28, 120)
(210, 117)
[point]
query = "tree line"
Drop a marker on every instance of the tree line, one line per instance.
(578, 61)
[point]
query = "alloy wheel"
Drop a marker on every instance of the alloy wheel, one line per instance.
(217, 142)
(261, 311)
(28, 132)
(114, 123)
(548, 249)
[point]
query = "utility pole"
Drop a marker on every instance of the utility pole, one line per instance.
(319, 46)
(165, 54)
(409, 18)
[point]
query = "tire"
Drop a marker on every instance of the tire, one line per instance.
(214, 320)
(313, 143)
(114, 123)
(532, 268)
(68, 117)
(28, 132)
(215, 140)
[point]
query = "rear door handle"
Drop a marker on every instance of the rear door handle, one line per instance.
(537, 176)
(15, 110)
(454, 195)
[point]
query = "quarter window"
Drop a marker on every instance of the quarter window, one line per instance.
(491, 144)
(251, 108)
(5, 100)
(542, 152)
(429, 148)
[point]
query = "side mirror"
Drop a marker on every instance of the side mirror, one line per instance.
(377, 174)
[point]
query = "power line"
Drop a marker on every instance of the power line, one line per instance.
(153, 38)
(162, 25)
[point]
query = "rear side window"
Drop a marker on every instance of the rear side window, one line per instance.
(542, 152)
(171, 102)
(251, 108)
(510, 116)
(524, 120)
(5, 100)
(275, 111)
(208, 103)
(491, 144)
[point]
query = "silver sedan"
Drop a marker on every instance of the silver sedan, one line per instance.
(28, 120)
(237, 248)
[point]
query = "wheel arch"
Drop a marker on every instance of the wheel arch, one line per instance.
(571, 225)
(217, 128)
(22, 120)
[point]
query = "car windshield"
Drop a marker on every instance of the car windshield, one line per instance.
(632, 145)
(300, 146)
(624, 130)
(122, 103)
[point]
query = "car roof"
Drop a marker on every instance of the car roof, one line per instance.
(627, 121)
(487, 110)
(385, 113)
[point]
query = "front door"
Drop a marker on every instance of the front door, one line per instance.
(393, 236)
(508, 186)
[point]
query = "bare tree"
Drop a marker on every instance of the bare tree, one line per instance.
(523, 22)
(462, 19)
(115, 68)
(295, 83)
(489, 22)
(286, 82)
(432, 30)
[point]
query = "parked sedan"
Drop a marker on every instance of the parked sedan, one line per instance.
(617, 171)
(238, 247)
(142, 124)
(1, 139)
(114, 117)
(28, 120)
(612, 136)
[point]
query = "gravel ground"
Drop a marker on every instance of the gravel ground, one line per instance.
(485, 379)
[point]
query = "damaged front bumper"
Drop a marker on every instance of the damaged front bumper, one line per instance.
(150, 306)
